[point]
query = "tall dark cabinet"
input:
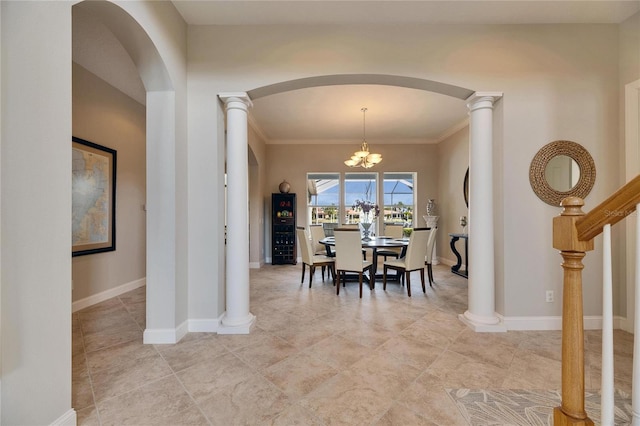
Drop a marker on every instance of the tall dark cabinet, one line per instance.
(283, 229)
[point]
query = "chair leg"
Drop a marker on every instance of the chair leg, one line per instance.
(408, 274)
(430, 270)
(312, 270)
(323, 272)
(360, 282)
(372, 279)
(303, 266)
(384, 277)
(338, 282)
(424, 289)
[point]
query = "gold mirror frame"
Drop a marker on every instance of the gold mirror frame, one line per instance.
(539, 163)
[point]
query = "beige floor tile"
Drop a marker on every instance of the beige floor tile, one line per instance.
(81, 391)
(457, 371)
(369, 335)
(338, 351)
(213, 374)
(111, 337)
(386, 374)
(116, 355)
(491, 348)
(189, 352)
(346, 400)
(146, 405)
(299, 374)
(411, 351)
(251, 401)
(265, 351)
(191, 416)
(87, 416)
(295, 415)
(532, 371)
(314, 358)
(401, 415)
(428, 397)
(121, 378)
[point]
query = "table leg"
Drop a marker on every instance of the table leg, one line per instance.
(374, 267)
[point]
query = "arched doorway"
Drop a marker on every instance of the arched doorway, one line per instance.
(481, 314)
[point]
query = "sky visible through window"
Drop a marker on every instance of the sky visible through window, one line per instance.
(397, 190)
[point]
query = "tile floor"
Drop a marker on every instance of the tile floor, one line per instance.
(314, 358)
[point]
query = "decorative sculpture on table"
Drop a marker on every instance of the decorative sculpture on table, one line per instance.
(431, 220)
(431, 207)
(368, 211)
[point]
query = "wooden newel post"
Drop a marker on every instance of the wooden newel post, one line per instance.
(572, 250)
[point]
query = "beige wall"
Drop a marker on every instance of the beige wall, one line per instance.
(106, 116)
(453, 153)
(257, 207)
(293, 162)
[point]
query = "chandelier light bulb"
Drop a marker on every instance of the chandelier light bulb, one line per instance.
(364, 158)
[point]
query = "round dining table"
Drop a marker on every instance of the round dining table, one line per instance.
(375, 244)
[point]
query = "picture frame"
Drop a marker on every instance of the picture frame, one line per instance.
(93, 220)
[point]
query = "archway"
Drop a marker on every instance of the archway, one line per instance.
(166, 301)
(481, 314)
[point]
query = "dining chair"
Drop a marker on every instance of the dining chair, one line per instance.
(317, 234)
(413, 260)
(395, 231)
(311, 259)
(355, 226)
(431, 244)
(349, 257)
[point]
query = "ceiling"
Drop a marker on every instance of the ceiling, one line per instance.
(332, 114)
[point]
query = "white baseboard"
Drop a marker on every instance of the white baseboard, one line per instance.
(255, 265)
(204, 325)
(164, 336)
(446, 261)
(67, 419)
(626, 324)
(107, 294)
(555, 323)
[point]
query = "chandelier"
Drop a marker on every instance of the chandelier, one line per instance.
(363, 158)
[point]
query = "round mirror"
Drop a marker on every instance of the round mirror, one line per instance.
(465, 188)
(562, 169)
(562, 173)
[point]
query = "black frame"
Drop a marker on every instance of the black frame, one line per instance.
(111, 154)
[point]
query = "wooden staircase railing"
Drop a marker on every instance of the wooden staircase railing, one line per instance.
(573, 233)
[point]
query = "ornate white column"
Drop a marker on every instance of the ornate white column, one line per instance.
(237, 319)
(481, 315)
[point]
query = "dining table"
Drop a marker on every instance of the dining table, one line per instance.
(374, 243)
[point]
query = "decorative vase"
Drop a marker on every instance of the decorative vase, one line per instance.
(366, 231)
(431, 207)
(284, 187)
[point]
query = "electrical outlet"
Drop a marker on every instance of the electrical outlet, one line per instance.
(549, 296)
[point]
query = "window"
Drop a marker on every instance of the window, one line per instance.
(399, 201)
(323, 198)
(358, 186)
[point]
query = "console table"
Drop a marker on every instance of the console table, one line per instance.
(456, 268)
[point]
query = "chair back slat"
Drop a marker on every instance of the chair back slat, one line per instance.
(394, 231)
(305, 246)
(348, 249)
(417, 248)
(317, 234)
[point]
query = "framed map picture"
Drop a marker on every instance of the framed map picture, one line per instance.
(93, 228)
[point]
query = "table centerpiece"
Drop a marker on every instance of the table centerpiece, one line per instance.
(368, 211)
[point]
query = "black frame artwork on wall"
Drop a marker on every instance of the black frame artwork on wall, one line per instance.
(93, 222)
